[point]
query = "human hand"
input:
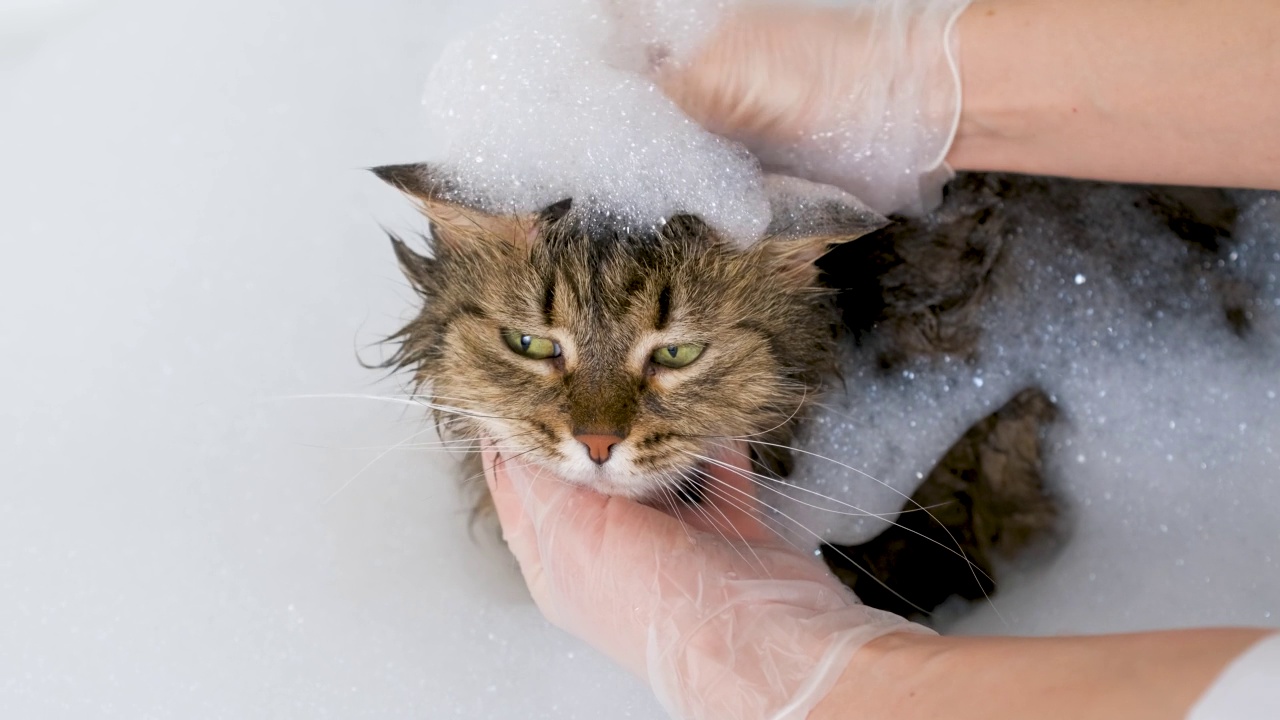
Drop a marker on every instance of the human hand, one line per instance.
(864, 97)
(719, 628)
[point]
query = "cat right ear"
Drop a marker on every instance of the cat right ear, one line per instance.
(804, 209)
(808, 219)
(455, 222)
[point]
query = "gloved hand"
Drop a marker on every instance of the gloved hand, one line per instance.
(865, 96)
(720, 629)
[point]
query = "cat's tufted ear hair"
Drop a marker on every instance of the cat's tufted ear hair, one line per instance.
(455, 221)
(808, 220)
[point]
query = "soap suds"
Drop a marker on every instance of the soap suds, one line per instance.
(555, 100)
(1164, 409)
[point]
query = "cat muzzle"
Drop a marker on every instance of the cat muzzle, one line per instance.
(599, 446)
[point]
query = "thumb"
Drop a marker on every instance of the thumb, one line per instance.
(591, 562)
(725, 501)
(527, 499)
(547, 521)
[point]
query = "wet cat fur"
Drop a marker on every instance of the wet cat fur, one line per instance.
(913, 290)
(919, 290)
(610, 298)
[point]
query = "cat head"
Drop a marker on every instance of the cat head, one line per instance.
(619, 360)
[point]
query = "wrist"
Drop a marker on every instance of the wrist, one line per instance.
(885, 676)
(1134, 91)
(1000, 108)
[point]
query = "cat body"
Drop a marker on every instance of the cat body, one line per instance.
(622, 360)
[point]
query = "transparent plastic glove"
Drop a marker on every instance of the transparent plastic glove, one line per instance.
(720, 630)
(865, 96)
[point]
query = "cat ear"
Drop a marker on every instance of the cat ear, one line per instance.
(455, 222)
(808, 219)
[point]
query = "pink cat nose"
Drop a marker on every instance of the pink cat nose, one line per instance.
(599, 446)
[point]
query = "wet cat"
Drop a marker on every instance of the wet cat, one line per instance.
(619, 358)
(613, 358)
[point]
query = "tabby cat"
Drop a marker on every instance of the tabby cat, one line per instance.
(616, 358)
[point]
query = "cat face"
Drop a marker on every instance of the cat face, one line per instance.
(617, 361)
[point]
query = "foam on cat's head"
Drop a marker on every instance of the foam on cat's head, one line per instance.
(555, 100)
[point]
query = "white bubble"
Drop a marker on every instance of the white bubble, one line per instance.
(1153, 388)
(549, 102)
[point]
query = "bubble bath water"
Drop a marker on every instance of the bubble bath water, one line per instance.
(1170, 438)
(1162, 412)
(556, 100)
(170, 550)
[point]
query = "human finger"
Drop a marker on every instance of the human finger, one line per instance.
(724, 499)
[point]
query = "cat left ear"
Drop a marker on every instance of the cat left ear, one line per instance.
(809, 219)
(455, 222)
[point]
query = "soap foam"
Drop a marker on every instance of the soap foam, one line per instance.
(1163, 407)
(556, 100)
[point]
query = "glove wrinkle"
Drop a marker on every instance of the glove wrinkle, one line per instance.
(719, 629)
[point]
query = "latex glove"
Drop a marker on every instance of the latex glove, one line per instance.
(865, 96)
(720, 630)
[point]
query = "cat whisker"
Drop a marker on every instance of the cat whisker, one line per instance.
(463, 412)
(347, 396)
(506, 459)
(714, 523)
(887, 517)
(746, 510)
(854, 510)
(373, 462)
(469, 450)
(461, 444)
(973, 569)
(785, 422)
(867, 513)
(671, 502)
(444, 444)
(430, 398)
(476, 441)
(501, 459)
(409, 400)
(745, 507)
(817, 537)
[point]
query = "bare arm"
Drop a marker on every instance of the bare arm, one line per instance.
(1143, 676)
(723, 637)
(1160, 91)
(1164, 91)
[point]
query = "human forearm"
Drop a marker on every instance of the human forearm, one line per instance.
(1146, 676)
(1125, 90)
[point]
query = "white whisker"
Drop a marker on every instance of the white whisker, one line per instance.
(839, 552)
(973, 569)
(703, 512)
(859, 512)
(372, 462)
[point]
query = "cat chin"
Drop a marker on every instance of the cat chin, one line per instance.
(631, 491)
(617, 476)
(619, 481)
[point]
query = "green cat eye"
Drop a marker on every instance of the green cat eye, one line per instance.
(677, 356)
(530, 346)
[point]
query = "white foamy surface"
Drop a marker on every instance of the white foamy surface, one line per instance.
(554, 101)
(1168, 452)
(188, 234)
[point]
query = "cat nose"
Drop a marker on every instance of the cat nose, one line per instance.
(599, 446)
